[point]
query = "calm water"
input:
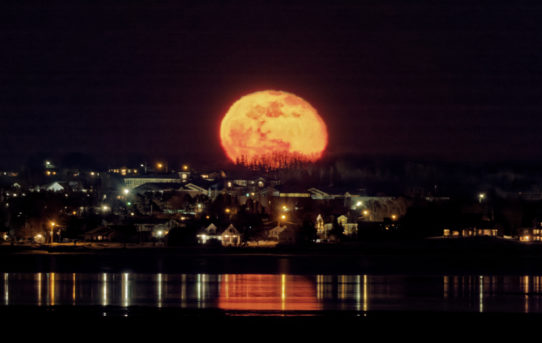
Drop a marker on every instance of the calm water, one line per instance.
(256, 293)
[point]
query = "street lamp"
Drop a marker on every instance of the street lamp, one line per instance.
(52, 224)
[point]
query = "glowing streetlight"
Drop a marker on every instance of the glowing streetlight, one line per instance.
(227, 210)
(52, 224)
(481, 197)
(393, 217)
(365, 212)
(159, 165)
(126, 191)
(185, 167)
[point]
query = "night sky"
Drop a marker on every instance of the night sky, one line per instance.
(456, 80)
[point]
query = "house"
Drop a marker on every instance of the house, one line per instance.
(207, 234)
(350, 229)
(282, 234)
(155, 227)
(470, 232)
(157, 187)
(229, 236)
(133, 182)
(99, 234)
(323, 229)
(530, 234)
(54, 187)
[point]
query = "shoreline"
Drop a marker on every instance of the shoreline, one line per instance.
(481, 256)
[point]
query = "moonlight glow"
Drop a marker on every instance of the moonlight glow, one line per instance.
(272, 128)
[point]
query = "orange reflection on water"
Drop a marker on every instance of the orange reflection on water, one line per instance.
(257, 292)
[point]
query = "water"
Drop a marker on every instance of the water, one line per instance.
(265, 293)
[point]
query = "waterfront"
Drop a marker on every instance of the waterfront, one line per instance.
(268, 294)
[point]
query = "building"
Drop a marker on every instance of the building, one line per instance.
(530, 234)
(323, 229)
(133, 182)
(229, 236)
(154, 228)
(282, 234)
(470, 232)
(99, 234)
(350, 229)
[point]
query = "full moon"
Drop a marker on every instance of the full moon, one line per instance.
(272, 128)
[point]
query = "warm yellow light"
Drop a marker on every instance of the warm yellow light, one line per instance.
(52, 224)
(159, 165)
(227, 210)
(185, 167)
(283, 217)
(365, 212)
(393, 216)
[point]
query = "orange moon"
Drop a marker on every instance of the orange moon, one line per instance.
(272, 128)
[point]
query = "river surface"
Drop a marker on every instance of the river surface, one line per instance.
(277, 293)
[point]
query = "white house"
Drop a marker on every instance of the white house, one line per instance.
(228, 237)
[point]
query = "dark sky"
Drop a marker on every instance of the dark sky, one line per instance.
(454, 80)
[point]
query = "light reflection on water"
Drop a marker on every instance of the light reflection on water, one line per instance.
(278, 292)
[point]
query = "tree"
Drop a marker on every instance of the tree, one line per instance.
(306, 233)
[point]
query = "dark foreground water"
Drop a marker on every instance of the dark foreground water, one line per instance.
(264, 294)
